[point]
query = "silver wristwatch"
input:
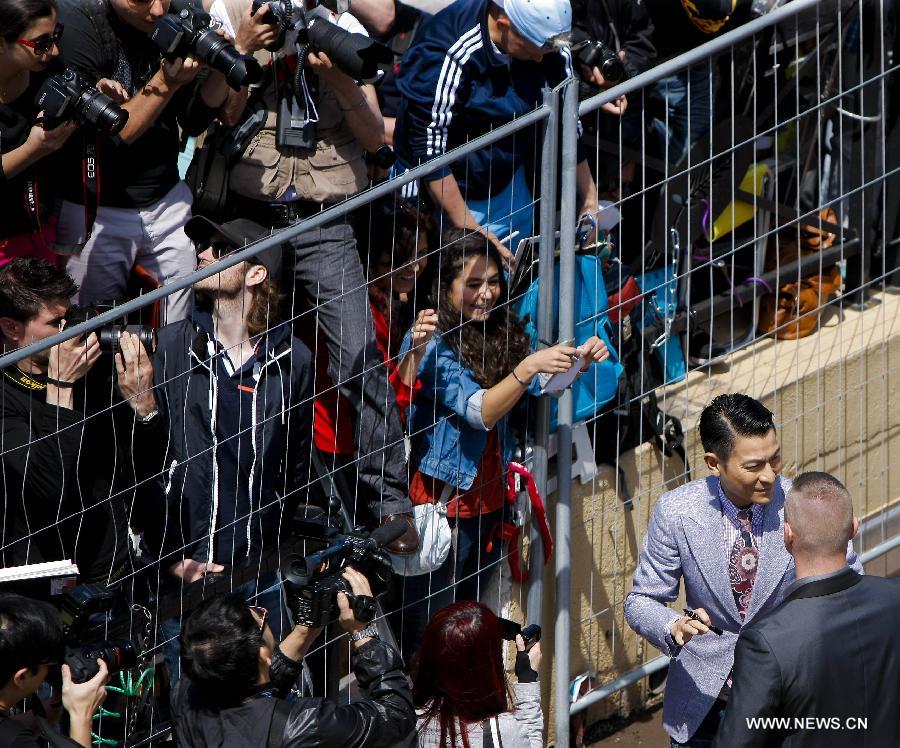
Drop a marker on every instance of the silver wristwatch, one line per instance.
(370, 630)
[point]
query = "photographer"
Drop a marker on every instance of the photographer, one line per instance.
(59, 504)
(141, 206)
(277, 184)
(29, 35)
(31, 641)
(469, 705)
(622, 27)
(236, 676)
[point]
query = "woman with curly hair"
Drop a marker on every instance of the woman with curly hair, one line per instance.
(460, 690)
(474, 371)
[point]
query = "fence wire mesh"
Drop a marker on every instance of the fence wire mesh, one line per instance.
(747, 193)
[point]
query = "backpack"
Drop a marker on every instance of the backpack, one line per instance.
(599, 385)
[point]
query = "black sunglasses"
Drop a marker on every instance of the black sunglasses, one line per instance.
(218, 248)
(45, 42)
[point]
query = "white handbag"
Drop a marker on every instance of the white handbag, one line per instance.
(435, 537)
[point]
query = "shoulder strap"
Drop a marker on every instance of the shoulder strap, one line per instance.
(98, 11)
(491, 733)
(279, 720)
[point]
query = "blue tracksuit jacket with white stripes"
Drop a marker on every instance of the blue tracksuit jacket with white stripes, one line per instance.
(456, 85)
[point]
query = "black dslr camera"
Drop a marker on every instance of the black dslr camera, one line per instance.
(108, 335)
(186, 29)
(69, 96)
(77, 607)
(119, 654)
(312, 582)
(355, 54)
(595, 54)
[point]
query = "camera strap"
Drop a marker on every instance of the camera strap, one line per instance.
(90, 165)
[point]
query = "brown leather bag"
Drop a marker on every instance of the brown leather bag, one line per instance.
(798, 308)
(794, 312)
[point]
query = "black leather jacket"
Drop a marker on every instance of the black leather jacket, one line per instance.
(385, 718)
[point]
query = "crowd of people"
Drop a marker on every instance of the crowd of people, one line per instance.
(373, 367)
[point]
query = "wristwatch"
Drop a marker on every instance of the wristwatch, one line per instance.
(368, 631)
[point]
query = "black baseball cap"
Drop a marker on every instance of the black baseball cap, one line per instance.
(238, 234)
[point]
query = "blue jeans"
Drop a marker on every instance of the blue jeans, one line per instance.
(265, 592)
(688, 100)
(460, 577)
(507, 211)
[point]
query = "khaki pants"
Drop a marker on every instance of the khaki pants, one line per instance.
(153, 236)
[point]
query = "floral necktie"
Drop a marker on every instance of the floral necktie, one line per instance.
(742, 564)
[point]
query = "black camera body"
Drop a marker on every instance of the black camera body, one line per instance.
(186, 30)
(108, 335)
(69, 96)
(596, 54)
(79, 609)
(355, 54)
(312, 582)
(119, 654)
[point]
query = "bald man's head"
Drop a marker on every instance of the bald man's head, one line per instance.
(819, 511)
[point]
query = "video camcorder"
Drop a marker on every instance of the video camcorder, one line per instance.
(312, 582)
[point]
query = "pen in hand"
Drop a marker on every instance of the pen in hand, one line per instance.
(691, 614)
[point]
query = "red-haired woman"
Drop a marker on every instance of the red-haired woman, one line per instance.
(460, 689)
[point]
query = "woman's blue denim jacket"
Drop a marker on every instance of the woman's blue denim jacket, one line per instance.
(445, 425)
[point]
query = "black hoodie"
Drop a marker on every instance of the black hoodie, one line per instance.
(235, 442)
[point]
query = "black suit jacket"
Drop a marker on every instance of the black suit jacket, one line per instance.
(827, 660)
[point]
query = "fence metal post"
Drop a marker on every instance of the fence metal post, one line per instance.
(549, 164)
(562, 550)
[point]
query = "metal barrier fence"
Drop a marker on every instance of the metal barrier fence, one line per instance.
(661, 214)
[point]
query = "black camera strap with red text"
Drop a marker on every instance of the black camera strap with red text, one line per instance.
(90, 180)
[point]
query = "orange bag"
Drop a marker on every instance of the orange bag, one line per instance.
(799, 306)
(794, 312)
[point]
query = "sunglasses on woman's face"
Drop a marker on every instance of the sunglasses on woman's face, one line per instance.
(45, 42)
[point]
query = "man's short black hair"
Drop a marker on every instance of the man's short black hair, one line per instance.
(728, 416)
(31, 634)
(220, 649)
(26, 284)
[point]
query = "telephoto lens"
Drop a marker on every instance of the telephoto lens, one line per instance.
(239, 70)
(355, 54)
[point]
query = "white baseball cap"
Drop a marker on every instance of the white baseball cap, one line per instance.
(539, 21)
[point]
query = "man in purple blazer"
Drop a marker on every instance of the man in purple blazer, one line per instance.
(724, 536)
